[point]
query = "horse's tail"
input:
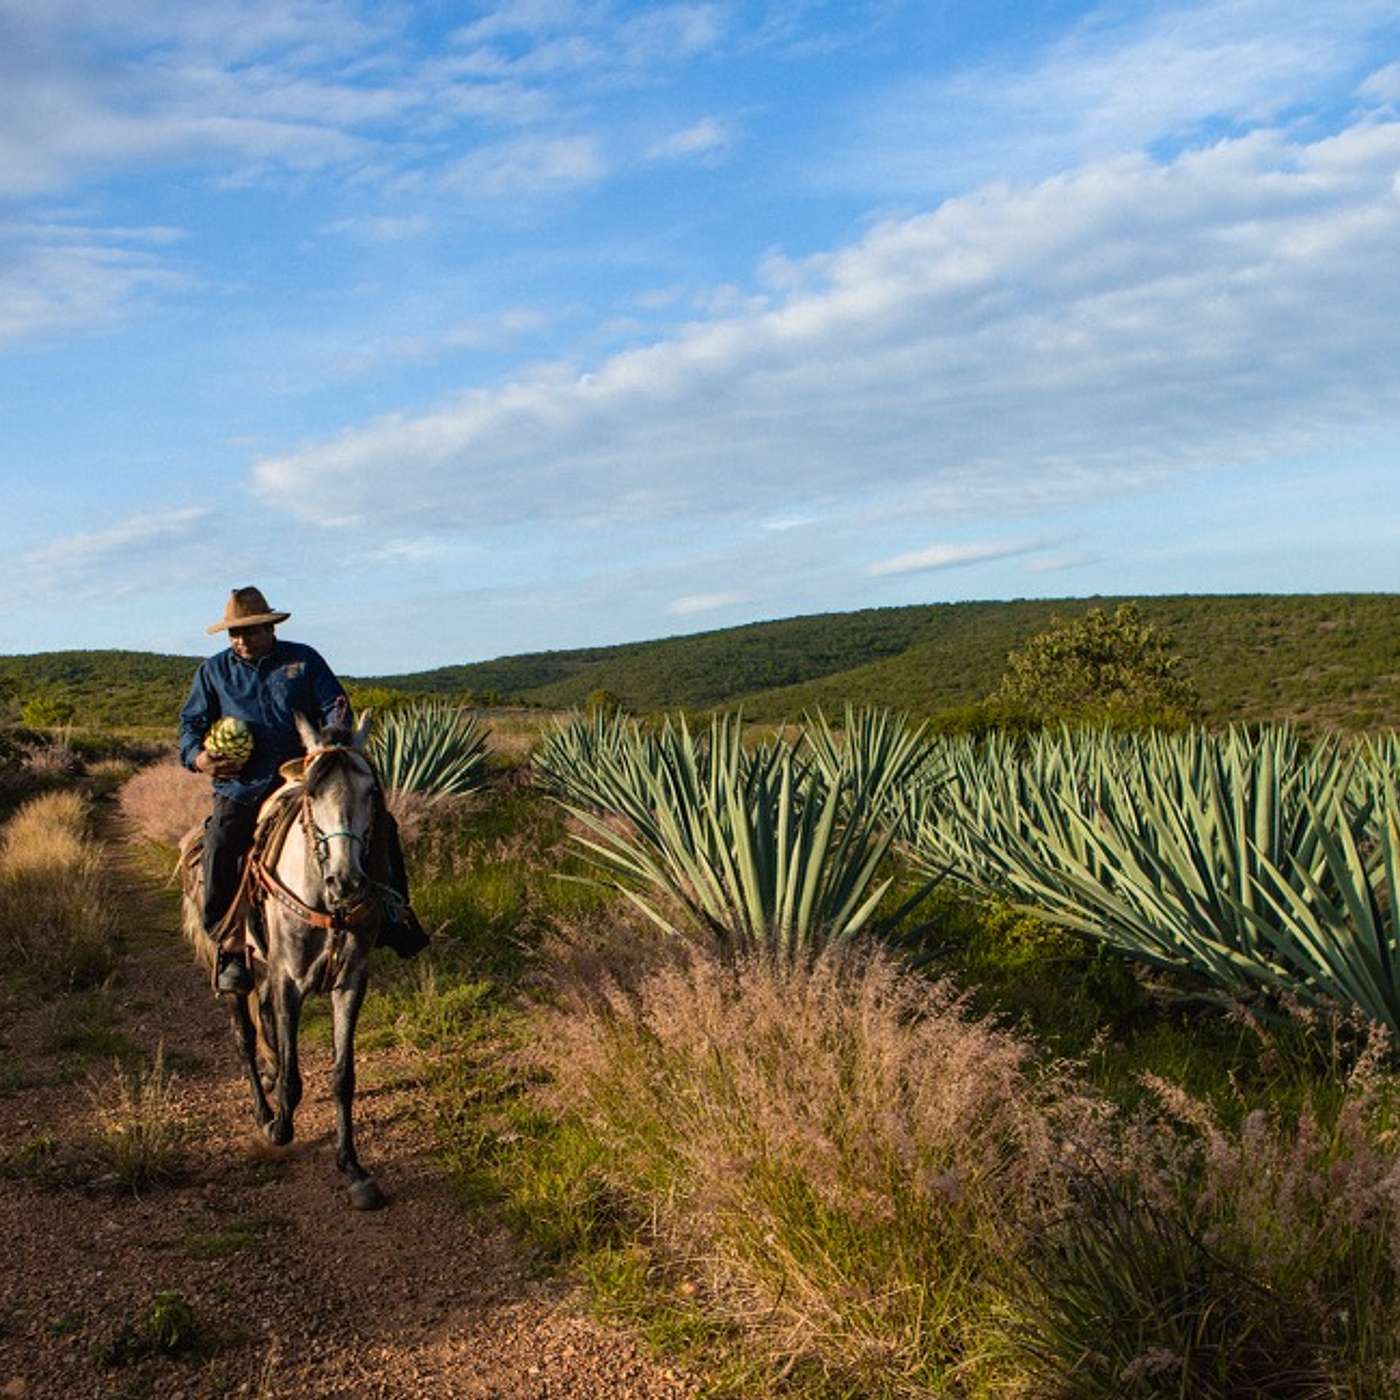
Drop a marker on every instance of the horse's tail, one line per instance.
(190, 871)
(189, 868)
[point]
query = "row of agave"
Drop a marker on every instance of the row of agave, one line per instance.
(1255, 859)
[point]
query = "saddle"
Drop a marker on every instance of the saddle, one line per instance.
(241, 923)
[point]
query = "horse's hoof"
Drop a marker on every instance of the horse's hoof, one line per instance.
(366, 1195)
(279, 1132)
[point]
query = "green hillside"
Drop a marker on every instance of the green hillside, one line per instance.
(1330, 659)
(108, 687)
(706, 668)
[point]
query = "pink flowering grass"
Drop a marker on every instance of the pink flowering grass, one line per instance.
(876, 1187)
(164, 800)
(841, 1150)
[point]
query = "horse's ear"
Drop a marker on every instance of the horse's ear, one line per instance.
(361, 735)
(310, 737)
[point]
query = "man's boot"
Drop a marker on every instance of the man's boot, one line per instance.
(400, 930)
(232, 976)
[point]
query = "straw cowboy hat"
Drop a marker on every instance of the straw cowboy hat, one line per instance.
(246, 607)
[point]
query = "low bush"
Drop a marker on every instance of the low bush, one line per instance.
(163, 801)
(881, 1190)
(58, 922)
(843, 1154)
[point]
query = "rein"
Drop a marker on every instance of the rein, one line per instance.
(337, 922)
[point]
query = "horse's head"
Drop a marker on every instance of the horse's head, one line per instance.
(340, 803)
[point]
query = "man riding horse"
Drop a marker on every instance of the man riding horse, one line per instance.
(267, 682)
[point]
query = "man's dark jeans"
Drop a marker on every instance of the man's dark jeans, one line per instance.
(229, 833)
(227, 836)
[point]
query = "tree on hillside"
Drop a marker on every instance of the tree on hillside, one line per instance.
(1099, 668)
(43, 709)
(602, 702)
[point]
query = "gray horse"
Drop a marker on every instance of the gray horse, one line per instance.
(314, 902)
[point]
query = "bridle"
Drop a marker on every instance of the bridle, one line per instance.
(339, 920)
(320, 841)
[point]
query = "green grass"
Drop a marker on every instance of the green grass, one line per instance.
(85, 1026)
(233, 1238)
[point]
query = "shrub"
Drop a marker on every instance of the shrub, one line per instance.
(874, 1185)
(839, 1149)
(602, 702)
(163, 801)
(1100, 669)
(57, 917)
(48, 707)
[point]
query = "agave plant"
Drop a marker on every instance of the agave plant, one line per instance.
(574, 758)
(611, 764)
(881, 756)
(759, 851)
(436, 749)
(1336, 928)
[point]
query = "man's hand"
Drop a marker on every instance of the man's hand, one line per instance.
(217, 765)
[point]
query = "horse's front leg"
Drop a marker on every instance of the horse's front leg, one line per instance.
(286, 1008)
(345, 1012)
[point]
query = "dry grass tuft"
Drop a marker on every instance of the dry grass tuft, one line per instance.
(413, 811)
(53, 758)
(139, 1126)
(57, 918)
(164, 800)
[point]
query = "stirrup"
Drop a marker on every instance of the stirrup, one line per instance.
(232, 977)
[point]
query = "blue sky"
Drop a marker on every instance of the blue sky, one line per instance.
(465, 329)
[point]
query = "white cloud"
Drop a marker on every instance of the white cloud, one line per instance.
(1094, 332)
(409, 551)
(706, 139)
(1383, 85)
(91, 564)
(946, 556)
(545, 38)
(531, 165)
(381, 228)
(693, 603)
(60, 278)
(252, 90)
(1122, 79)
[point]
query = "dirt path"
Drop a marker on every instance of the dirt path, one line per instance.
(300, 1296)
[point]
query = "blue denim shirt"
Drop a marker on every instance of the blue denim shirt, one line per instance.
(290, 679)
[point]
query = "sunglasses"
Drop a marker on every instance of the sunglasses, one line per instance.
(257, 631)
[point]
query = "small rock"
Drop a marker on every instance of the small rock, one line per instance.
(14, 1389)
